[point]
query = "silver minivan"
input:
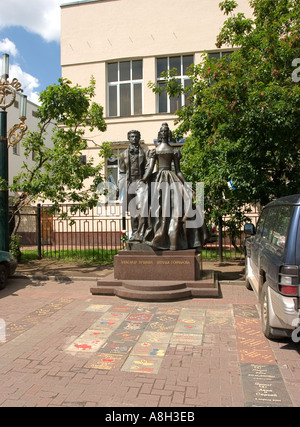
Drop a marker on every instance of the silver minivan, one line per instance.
(273, 266)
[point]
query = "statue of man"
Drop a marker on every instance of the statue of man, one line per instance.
(132, 165)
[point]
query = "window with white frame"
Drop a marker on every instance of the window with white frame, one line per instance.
(164, 64)
(16, 149)
(125, 97)
(218, 55)
(112, 166)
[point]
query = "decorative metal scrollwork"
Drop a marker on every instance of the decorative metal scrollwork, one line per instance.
(8, 92)
(16, 133)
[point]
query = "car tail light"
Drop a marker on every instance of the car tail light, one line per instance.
(289, 280)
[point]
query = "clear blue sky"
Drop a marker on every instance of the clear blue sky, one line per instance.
(30, 34)
(36, 57)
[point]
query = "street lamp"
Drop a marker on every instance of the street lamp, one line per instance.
(8, 92)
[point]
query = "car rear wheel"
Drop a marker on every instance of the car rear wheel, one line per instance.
(265, 312)
(3, 276)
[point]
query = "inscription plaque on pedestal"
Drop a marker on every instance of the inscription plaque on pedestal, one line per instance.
(157, 265)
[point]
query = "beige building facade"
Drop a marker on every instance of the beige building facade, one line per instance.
(124, 44)
(16, 153)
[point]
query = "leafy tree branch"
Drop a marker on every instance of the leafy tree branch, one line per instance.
(58, 174)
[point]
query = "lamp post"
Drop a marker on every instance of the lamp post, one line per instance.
(13, 136)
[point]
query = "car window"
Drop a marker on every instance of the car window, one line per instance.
(261, 222)
(270, 223)
(277, 224)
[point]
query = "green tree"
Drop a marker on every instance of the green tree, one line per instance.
(59, 175)
(242, 120)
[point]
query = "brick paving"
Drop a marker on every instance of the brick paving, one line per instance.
(66, 347)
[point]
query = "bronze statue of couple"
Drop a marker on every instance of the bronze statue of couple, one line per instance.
(159, 201)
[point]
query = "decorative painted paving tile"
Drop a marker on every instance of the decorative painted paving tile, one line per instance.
(16, 328)
(89, 334)
(49, 309)
(103, 324)
(142, 364)
(111, 316)
(245, 311)
(160, 327)
(191, 319)
(60, 302)
(263, 386)
(163, 323)
(186, 339)
(106, 361)
(31, 319)
(63, 301)
(126, 336)
(192, 313)
(88, 342)
(116, 347)
(103, 333)
(172, 311)
(143, 348)
(219, 312)
(144, 309)
(121, 309)
(139, 317)
(218, 321)
(156, 337)
(98, 308)
(253, 346)
(189, 325)
(165, 318)
(219, 317)
(132, 326)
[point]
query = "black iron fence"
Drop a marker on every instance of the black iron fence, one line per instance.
(97, 234)
(229, 243)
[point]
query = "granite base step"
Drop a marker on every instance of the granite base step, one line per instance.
(163, 290)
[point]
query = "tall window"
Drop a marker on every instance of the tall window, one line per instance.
(113, 171)
(180, 63)
(125, 88)
(16, 149)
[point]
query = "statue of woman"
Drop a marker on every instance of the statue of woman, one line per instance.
(171, 209)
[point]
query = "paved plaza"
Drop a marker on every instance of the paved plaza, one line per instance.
(66, 347)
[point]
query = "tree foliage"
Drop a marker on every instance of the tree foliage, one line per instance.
(59, 174)
(243, 115)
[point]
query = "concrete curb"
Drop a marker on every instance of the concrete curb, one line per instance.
(232, 282)
(56, 278)
(62, 278)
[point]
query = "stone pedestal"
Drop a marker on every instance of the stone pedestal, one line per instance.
(150, 275)
(157, 265)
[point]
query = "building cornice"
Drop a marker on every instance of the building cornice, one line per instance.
(79, 2)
